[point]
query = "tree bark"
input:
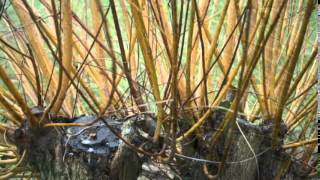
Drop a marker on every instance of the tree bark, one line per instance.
(94, 152)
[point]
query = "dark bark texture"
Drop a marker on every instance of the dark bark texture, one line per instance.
(96, 153)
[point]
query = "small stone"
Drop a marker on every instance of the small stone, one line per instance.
(87, 142)
(90, 150)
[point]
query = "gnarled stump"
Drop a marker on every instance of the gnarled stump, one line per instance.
(94, 152)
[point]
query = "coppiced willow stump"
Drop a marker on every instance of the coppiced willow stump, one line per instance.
(241, 163)
(90, 152)
(94, 152)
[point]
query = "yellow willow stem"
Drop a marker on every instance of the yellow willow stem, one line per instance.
(295, 28)
(99, 54)
(148, 59)
(231, 23)
(132, 36)
(76, 46)
(254, 53)
(160, 13)
(302, 94)
(4, 127)
(214, 44)
(15, 93)
(13, 170)
(9, 161)
(253, 58)
(96, 17)
(17, 118)
(67, 44)
(301, 143)
(35, 41)
(189, 50)
(189, 67)
(305, 68)
(214, 104)
(263, 108)
(311, 106)
(17, 62)
(8, 96)
(286, 79)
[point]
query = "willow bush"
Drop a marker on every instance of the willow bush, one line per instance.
(176, 59)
